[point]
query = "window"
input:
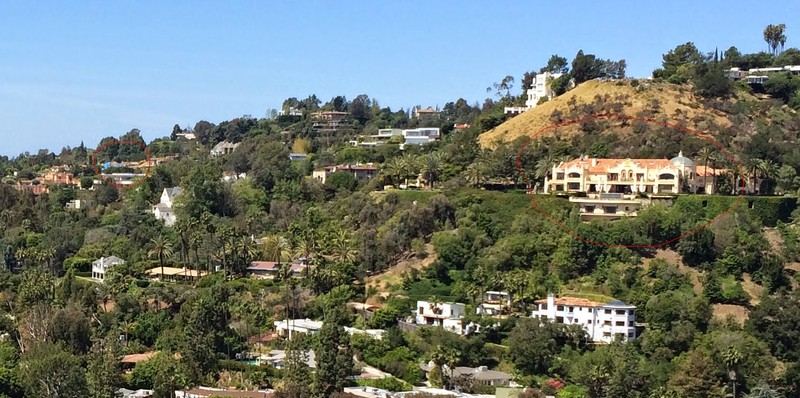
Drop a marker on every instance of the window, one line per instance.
(542, 306)
(631, 335)
(574, 175)
(606, 334)
(560, 308)
(421, 310)
(574, 186)
(608, 312)
(620, 323)
(559, 176)
(589, 209)
(606, 323)
(451, 312)
(610, 209)
(559, 319)
(571, 309)
(639, 176)
(621, 312)
(590, 322)
(613, 177)
(559, 187)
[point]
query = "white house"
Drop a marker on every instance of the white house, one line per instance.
(100, 266)
(604, 322)
(223, 148)
(164, 209)
(305, 326)
(446, 315)
(540, 88)
(422, 135)
(494, 303)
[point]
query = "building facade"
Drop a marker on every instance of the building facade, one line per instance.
(445, 315)
(540, 88)
(223, 148)
(100, 266)
(164, 209)
(604, 322)
(494, 303)
(361, 172)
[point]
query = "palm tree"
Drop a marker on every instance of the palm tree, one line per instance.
(126, 327)
(393, 170)
(732, 356)
(545, 166)
(752, 167)
(342, 247)
(705, 154)
(276, 248)
(183, 227)
(161, 250)
(768, 171)
(432, 167)
(207, 220)
(410, 167)
(475, 174)
(195, 240)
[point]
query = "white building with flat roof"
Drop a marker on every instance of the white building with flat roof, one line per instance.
(603, 321)
(494, 303)
(446, 315)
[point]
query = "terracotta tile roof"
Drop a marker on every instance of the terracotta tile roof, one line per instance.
(573, 301)
(603, 165)
(701, 171)
(207, 392)
(136, 358)
(263, 266)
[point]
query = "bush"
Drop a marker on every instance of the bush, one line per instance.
(78, 264)
(388, 383)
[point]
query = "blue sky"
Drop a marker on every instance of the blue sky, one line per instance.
(79, 71)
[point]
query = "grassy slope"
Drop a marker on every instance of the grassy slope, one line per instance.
(671, 99)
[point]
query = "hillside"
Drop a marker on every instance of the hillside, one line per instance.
(639, 98)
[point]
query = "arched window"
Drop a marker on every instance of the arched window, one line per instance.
(666, 176)
(574, 175)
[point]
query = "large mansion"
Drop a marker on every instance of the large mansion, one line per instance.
(631, 176)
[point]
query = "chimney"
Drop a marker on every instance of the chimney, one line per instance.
(594, 162)
(551, 301)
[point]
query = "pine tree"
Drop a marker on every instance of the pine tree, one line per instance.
(334, 354)
(103, 375)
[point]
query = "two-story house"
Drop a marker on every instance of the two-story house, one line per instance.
(445, 315)
(360, 172)
(603, 321)
(494, 303)
(164, 209)
(100, 266)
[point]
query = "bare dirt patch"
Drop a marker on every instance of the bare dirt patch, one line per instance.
(722, 311)
(394, 275)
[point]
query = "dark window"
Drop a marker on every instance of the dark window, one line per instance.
(607, 323)
(560, 308)
(621, 312)
(607, 311)
(559, 319)
(571, 309)
(631, 335)
(590, 209)
(559, 176)
(574, 186)
(620, 323)
(574, 175)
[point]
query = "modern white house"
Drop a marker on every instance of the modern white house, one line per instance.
(100, 266)
(223, 148)
(446, 315)
(494, 303)
(603, 321)
(540, 88)
(419, 136)
(164, 209)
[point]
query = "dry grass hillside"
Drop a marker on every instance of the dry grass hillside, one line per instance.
(637, 98)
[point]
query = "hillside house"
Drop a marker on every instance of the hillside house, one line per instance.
(360, 172)
(223, 148)
(603, 321)
(164, 209)
(446, 315)
(101, 265)
(494, 303)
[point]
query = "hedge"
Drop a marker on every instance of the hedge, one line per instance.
(768, 209)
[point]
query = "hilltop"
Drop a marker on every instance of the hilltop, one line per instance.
(649, 99)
